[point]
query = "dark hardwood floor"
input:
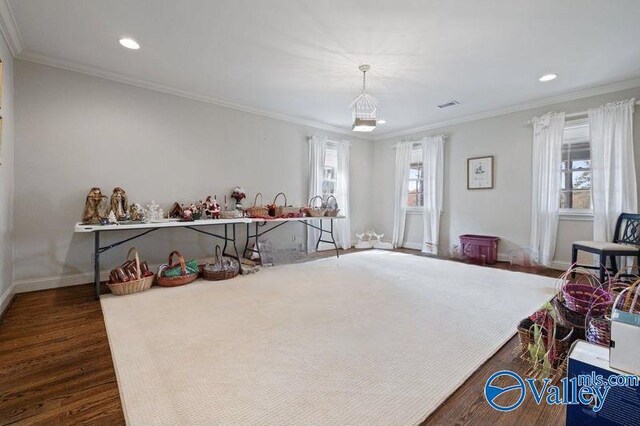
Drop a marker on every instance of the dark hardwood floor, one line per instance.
(56, 367)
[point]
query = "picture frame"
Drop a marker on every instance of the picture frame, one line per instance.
(480, 172)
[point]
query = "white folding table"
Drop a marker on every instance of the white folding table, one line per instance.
(278, 222)
(228, 237)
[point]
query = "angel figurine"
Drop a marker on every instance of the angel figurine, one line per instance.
(119, 203)
(95, 207)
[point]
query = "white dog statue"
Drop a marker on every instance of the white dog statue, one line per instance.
(381, 245)
(362, 244)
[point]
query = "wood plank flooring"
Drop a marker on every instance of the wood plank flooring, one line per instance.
(56, 368)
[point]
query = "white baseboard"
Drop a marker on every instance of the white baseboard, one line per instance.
(5, 298)
(412, 246)
(35, 284)
(560, 265)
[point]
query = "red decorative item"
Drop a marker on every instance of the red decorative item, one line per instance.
(479, 247)
(238, 194)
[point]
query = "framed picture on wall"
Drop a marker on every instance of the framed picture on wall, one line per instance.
(480, 172)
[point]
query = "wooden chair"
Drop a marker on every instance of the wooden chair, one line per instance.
(626, 242)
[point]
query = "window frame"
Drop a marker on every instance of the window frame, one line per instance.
(568, 212)
(334, 147)
(408, 208)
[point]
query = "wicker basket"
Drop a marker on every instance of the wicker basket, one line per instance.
(314, 211)
(258, 211)
(584, 298)
(133, 286)
(332, 207)
(230, 214)
(581, 294)
(283, 211)
(563, 338)
(569, 318)
(183, 279)
(598, 330)
(223, 267)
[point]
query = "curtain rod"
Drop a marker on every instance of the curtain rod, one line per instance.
(444, 138)
(328, 139)
(572, 115)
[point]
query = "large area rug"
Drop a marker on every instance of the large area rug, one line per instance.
(372, 338)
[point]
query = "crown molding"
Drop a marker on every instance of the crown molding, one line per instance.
(159, 87)
(9, 28)
(538, 103)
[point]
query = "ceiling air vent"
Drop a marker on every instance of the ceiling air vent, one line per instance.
(449, 104)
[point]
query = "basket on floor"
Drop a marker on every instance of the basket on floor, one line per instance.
(185, 277)
(563, 337)
(258, 211)
(132, 286)
(222, 268)
(313, 210)
(598, 329)
(581, 295)
(583, 298)
(569, 318)
(331, 206)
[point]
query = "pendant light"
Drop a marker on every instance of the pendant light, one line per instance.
(364, 107)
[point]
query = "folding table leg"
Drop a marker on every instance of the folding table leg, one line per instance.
(96, 265)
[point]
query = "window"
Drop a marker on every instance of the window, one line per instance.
(330, 177)
(415, 196)
(575, 186)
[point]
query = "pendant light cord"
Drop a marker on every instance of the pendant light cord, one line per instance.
(364, 81)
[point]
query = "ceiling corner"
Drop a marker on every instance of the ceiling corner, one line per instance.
(9, 29)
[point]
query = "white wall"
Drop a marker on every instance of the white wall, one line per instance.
(76, 131)
(6, 176)
(503, 211)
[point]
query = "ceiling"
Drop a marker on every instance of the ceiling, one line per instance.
(299, 59)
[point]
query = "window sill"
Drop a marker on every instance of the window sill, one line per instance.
(414, 210)
(576, 216)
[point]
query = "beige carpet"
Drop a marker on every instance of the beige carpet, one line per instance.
(374, 338)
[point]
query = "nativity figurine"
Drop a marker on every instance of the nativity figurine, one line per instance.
(95, 208)
(119, 203)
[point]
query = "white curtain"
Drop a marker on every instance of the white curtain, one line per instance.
(317, 152)
(433, 163)
(548, 132)
(612, 166)
(342, 230)
(403, 160)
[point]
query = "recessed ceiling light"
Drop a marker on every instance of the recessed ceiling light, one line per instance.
(548, 77)
(382, 121)
(129, 43)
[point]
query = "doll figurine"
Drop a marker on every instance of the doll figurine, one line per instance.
(119, 203)
(95, 207)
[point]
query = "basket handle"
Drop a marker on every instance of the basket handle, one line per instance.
(313, 198)
(137, 260)
(183, 266)
(276, 197)
(255, 200)
(218, 255)
(631, 291)
(589, 277)
(334, 200)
